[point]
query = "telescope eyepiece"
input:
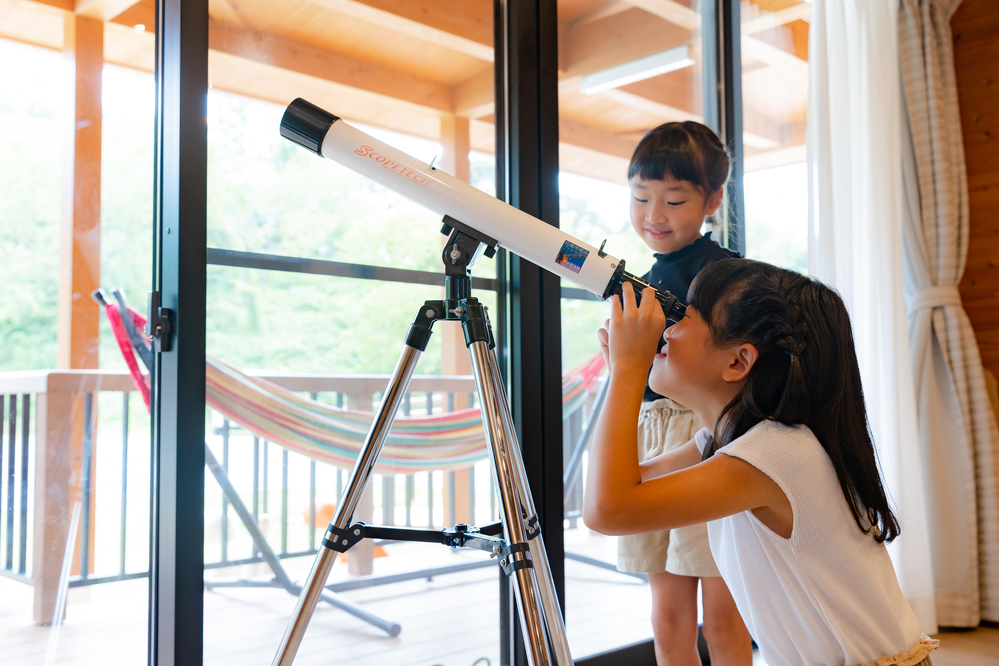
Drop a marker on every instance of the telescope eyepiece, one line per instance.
(306, 124)
(673, 308)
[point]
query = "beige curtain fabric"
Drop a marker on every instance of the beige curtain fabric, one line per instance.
(959, 438)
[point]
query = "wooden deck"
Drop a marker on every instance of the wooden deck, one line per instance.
(451, 620)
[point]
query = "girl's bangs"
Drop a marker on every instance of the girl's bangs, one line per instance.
(663, 166)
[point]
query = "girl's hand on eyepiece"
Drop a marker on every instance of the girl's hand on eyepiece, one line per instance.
(633, 331)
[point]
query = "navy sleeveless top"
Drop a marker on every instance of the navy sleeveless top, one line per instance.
(675, 271)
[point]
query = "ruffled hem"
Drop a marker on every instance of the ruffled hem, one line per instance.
(912, 656)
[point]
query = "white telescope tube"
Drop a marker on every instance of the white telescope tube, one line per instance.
(524, 235)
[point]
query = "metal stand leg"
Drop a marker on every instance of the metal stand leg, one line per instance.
(281, 578)
(312, 591)
(549, 596)
(505, 452)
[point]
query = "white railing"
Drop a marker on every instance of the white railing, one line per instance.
(58, 424)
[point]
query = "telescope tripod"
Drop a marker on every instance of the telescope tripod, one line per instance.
(521, 549)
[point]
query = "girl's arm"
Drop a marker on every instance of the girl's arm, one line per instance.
(616, 500)
(721, 486)
(683, 457)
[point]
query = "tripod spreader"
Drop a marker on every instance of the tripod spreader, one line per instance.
(483, 538)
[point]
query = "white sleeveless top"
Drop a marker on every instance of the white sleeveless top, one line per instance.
(827, 596)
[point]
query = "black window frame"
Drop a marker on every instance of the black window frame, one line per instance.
(529, 342)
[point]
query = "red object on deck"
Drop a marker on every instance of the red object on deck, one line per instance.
(125, 345)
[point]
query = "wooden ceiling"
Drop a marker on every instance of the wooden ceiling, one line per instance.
(406, 64)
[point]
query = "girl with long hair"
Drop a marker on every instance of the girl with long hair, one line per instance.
(784, 473)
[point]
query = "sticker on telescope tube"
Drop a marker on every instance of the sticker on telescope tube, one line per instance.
(571, 256)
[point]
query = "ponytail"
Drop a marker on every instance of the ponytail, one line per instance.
(794, 399)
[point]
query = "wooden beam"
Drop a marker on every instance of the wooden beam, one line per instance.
(64, 5)
(310, 60)
(592, 138)
(667, 112)
(461, 25)
(770, 20)
(141, 13)
(775, 158)
(592, 164)
(684, 16)
(475, 97)
(752, 47)
(618, 39)
(676, 102)
(668, 97)
(226, 11)
(773, 56)
(80, 245)
(673, 12)
(102, 10)
(600, 12)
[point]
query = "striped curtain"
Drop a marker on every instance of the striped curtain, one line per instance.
(959, 439)
(855, 245)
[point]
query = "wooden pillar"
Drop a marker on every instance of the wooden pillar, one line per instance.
(80, 245)
(78, 317)
(53, 497)
(456, 143)
(455, 359)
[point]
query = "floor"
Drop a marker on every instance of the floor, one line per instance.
(979, 647)
(451, 620)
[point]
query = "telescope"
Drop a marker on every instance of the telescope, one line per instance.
(475, 223)
(492, 222)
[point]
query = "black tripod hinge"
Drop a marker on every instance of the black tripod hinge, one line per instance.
(533, 527)
(509, 563)
(475, 323)
(422, 327)
(342, 540)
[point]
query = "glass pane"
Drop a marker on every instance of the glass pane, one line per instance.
(624, 70)
(76, 183)
(774, 100)
(326, 330)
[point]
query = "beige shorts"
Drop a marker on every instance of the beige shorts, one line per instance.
(916, 656)
(664, 425)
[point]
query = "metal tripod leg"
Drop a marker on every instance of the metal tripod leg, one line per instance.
(313, 589)
(504, 453)
(524, 549)
(549, 597)
(281, 578)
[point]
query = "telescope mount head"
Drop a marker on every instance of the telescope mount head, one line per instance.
(462, 249)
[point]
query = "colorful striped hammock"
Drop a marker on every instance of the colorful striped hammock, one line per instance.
(335, 436)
